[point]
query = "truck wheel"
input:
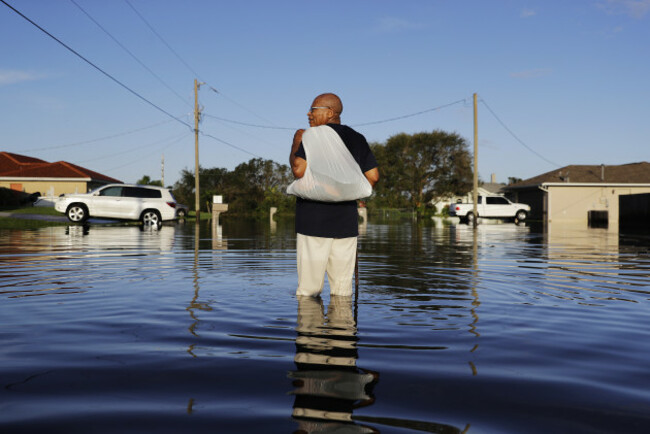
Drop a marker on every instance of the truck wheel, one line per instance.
(470, 218)
(521, 215)
(77, 213)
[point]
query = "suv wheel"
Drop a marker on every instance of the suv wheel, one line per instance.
(77, 213)
(151, 217)
(521, 215)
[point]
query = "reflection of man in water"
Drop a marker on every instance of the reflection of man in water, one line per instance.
(328, 384)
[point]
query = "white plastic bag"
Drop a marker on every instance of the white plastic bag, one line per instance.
(332, 174)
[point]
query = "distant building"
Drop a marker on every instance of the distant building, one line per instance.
(493, 187)
(575, 193)
(31, 175)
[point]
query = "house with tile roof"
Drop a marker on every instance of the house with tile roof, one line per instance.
(32, 175)
(576, 193)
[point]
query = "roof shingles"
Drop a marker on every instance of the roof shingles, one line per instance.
(632, 173)
(14, 165)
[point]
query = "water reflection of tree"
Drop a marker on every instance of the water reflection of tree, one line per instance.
(244, 234)
(328, 384)
(428, 274)
(416, 258)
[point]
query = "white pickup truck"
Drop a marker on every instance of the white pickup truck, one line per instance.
(497, 207)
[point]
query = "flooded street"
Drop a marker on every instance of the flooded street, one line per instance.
(502, 329)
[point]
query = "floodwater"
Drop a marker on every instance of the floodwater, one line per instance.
(502, 329)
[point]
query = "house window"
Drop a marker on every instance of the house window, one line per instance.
(111, 191)
(140, 192)
(598, 219)
(490, 200)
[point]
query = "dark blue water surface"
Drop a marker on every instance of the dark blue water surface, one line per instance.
(502, 329)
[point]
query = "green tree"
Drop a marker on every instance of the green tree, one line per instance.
(146, 180)
(251, 188)
(246, 184)
(388, 192)
(211, 182)
(416, 168)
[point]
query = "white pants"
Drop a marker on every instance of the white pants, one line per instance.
(317, 255)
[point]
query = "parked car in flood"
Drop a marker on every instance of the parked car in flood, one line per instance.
(146, 203)
(495, 207)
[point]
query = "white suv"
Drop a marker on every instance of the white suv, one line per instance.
(149, 204)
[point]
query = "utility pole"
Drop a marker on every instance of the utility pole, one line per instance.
(162, 170)
(197, 115)
(475, 193)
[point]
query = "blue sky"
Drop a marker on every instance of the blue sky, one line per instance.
(566, 81)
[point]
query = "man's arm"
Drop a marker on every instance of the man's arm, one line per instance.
(298, 165)
(372, 176)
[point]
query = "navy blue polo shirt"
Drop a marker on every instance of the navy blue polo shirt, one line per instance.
(334, 219)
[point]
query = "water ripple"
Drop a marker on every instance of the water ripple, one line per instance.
(188, 328)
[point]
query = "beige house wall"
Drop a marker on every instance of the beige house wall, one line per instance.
(48, 188)
(571, 204)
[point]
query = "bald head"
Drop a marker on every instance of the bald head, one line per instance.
(330, 100)
(326, 109)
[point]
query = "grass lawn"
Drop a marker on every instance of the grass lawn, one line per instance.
(42, 210)
(12, 222)
(15, 221)
(204, 216)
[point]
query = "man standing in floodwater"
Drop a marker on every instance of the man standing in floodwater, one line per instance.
(327, 231)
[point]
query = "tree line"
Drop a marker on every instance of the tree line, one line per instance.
(414, 168)
(250, 189)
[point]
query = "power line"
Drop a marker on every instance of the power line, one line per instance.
(242, 106)
(196, 74)
(93, 65)
(216, 91)
(247, 124)
(517, 138)
(130, 53)
(289, 128)
(353, 125)
(140, 160)
(231, 145)
(85, 142)
(247, 133)
(410, 115)
(192, 70)
(120, 83)
(173, 140)
(252, 112)
(162, 40)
